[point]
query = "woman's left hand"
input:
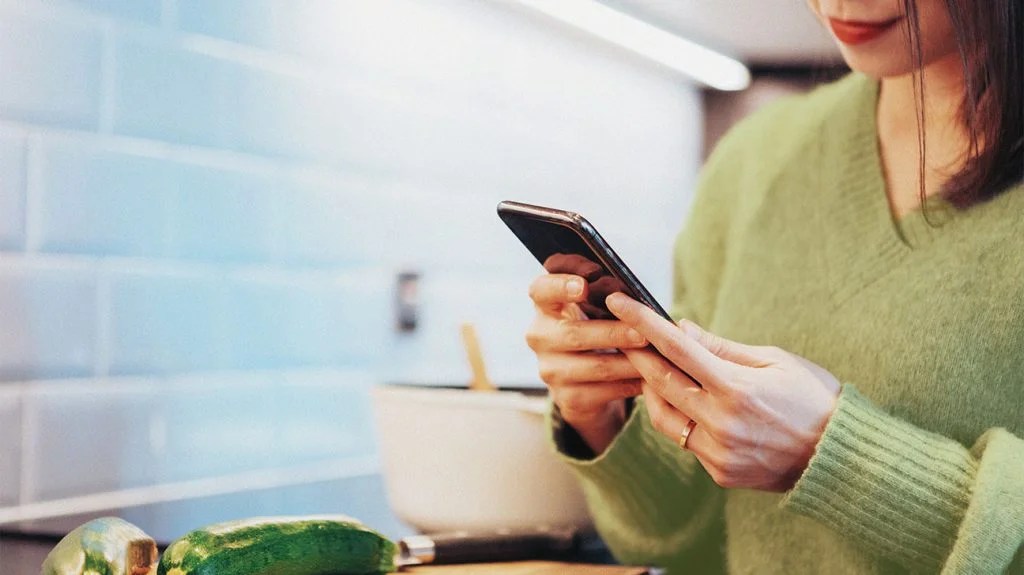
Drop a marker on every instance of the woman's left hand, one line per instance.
(759, 414)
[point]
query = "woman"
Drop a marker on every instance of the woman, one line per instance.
(854, 402)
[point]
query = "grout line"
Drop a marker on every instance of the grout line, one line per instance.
(220, 158)
(192, 489)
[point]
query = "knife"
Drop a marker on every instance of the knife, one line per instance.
(493, 546)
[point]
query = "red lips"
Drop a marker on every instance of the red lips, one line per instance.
(854, 32)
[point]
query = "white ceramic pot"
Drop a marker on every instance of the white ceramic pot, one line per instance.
(456, 459)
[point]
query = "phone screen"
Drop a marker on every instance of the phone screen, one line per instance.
(561, 250)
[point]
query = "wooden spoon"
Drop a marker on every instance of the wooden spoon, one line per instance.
(480, 381)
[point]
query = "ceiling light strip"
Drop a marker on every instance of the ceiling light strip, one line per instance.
(698, 62)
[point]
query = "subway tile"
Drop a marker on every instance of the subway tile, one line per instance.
(227, 423)
(325, 415)
(287, 322)
(222, 215)
(452, 231)
(147, 11)
(218, 424)
(256, 25)
(367, 314)
(92, 201)
(52, 72)
(99, 201)
(343, 222)
(10, 444)
(165, 93)
(49, 322)
(164, 322)
(296, 117)
(12, 191)
(88, 436)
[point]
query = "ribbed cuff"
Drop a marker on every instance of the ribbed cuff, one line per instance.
(629, 479)
(899, 489)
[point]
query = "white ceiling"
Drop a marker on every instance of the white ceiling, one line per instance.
(767, 32)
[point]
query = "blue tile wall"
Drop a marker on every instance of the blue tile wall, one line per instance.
(148, 11)
(173, 95)
(302, 322)
(90, 437)
(218, 424)
(51, 72)
(133, 205)
(204, 204)
(326, 415)
(120, 204)
(10, 446)
(344, 220)
(12, 191)
(255, 25)
(49, 322)
(166, 322)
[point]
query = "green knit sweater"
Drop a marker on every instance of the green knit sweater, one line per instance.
(791, 243)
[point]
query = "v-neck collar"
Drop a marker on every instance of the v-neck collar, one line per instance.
(917, 227)
(862, 238)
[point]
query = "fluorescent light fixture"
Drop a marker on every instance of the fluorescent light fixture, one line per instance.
(698, 62)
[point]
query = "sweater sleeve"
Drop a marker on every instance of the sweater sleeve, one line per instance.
(652, 502)
(918, 498)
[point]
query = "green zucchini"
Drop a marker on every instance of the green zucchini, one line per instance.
(318, 545)
(105, 546)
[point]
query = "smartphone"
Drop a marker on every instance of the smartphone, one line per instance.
(566, 243)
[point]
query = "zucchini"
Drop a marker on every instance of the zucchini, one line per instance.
(105, 546)
(319, 545)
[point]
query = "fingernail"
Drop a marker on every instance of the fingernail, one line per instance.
(689, 328)
(635, 337)
(574, 287)
(615, 302)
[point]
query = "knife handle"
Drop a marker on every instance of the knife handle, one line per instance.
(465, 547)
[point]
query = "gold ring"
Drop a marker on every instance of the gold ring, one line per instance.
(686, 433)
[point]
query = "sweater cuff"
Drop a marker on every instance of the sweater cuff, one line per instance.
(629, 478)
(899, 489)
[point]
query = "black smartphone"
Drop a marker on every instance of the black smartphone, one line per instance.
(566, 243)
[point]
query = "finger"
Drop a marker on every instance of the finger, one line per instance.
(671, 384)
(672, 423)
(689, 356)
(573, 264)
(587, 335)
(550, 292)
(574, 368)
(565, 335)
(591, 397)
(743, 354)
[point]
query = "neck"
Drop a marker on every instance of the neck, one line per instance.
(946, 139)
(943, 93)
(943, 82)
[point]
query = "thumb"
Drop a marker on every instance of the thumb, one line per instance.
(743, 354)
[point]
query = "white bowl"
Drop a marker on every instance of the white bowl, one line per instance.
(456, 459)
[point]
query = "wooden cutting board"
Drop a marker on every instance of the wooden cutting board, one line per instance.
(525, 568)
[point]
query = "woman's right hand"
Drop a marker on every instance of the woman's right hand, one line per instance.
(588, 379)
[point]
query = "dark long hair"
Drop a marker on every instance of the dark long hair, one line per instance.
(990, 37)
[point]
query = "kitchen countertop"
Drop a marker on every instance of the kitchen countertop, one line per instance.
(527, 568)
(24, 545)
(360, 497)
